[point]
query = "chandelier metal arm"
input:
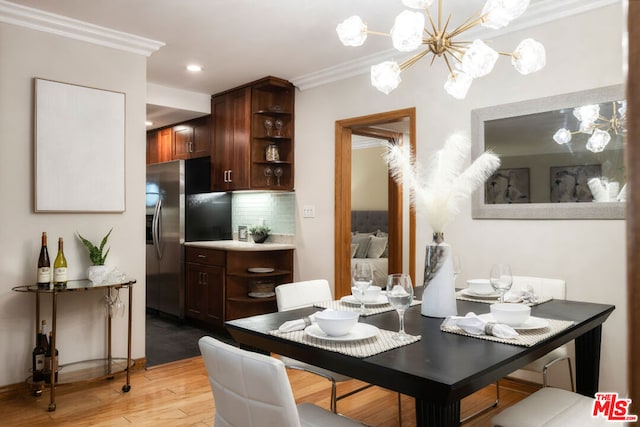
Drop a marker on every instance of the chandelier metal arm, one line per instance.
(468, 24)
(415, 58)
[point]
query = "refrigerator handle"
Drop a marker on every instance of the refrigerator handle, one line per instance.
(157, 228)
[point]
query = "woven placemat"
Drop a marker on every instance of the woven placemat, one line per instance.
(461, 296)
(368, 309)
(525, 338)
(384, 341)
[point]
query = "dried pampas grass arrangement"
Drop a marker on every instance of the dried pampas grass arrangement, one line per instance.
(438, 190)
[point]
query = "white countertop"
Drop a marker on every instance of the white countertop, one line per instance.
(235, 245)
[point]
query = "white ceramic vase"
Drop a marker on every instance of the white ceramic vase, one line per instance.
(98, 273)
(439, 296)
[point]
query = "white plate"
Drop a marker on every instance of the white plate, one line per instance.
(531, 323)
(260, 270)
(469, 293)
(261, 294)
(361, 331)
(350, 299)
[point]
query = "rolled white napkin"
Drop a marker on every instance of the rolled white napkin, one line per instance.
(474, 325)
(297, 324)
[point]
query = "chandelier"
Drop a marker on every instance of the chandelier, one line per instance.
(599, 127)
(465, 60)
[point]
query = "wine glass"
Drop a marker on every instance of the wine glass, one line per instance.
(457, 267)
(501, 279)
(118, 305)
(400, 294)
(278, 125)
(268, 173)
(278, 173)
(362, 277)
(268, 124)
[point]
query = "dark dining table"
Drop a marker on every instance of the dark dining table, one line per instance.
(441, 368)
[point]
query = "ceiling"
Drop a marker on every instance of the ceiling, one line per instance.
(238, 41)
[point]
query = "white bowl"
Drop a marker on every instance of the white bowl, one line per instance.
(510, 314)
(372, 294)
(480, 286)
(336, 323)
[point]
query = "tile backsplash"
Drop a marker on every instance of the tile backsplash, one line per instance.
(276, 209)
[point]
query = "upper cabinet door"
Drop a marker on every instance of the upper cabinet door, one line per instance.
(182, 141)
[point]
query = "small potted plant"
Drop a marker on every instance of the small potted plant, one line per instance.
(97, 272)
(259, 233)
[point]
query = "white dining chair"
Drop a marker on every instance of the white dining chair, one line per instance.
(550, 407)
(543, 288)
(294, 295)
(252, 390)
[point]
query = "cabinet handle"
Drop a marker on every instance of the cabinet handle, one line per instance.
(230, 180)
(205, 278)
(190, 146)
(201, 256)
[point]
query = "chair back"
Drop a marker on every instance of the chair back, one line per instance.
(302, 294)
(249, 389)
(555, 288)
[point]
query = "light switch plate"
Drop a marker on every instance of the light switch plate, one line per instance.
(308, 211)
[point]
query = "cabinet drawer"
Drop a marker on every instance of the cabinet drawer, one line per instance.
(205, 256)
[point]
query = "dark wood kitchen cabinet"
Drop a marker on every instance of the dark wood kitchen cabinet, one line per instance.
(220, 287)
(204, 289)
(231, 150)
(159, 146)
(186, 140)
(247, 121)
(192, 139)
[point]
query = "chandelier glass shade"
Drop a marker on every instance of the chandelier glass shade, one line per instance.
(591, 122)
(466, 60)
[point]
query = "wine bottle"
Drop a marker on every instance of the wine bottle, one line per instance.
(39, 355)
(44, 265)
(51, 363)
(60, 267)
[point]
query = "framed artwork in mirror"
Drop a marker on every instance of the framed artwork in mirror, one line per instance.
(79, 148)
(580, 133)
(569, 184)
(508, 186)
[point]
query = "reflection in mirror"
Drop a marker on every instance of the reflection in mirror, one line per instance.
(561, 157)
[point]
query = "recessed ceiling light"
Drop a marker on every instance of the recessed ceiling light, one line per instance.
(148, 122)
(194, 67)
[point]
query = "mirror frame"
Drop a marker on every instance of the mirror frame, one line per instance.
(481, 210)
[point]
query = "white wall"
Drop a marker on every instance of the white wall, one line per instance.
(369, 179)
(590, 255)
(81, 317)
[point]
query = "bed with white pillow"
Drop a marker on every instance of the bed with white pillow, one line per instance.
(369, 242)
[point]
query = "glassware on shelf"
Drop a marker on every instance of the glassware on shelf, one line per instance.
(278, 173)
(278, 125)
(272, 154)
(268, 125)
(268, 173)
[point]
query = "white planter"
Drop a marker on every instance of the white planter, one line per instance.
(98, 273)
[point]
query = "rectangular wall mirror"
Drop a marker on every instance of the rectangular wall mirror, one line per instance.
(562, 157)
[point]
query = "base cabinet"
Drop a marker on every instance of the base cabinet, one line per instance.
(220, 287)
(204, 289)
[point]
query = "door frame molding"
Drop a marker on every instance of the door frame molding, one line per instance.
(342, 229)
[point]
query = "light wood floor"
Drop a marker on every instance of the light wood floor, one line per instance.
(178, 394)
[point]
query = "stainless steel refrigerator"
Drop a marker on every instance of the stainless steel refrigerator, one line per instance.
(178, 209)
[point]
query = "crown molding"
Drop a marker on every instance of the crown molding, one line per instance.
(39, 20)
(539, 13)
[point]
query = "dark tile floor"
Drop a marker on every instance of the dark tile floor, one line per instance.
(168, 339)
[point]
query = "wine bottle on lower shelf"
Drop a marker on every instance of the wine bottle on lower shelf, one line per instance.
(51, 363)
(39, 355)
